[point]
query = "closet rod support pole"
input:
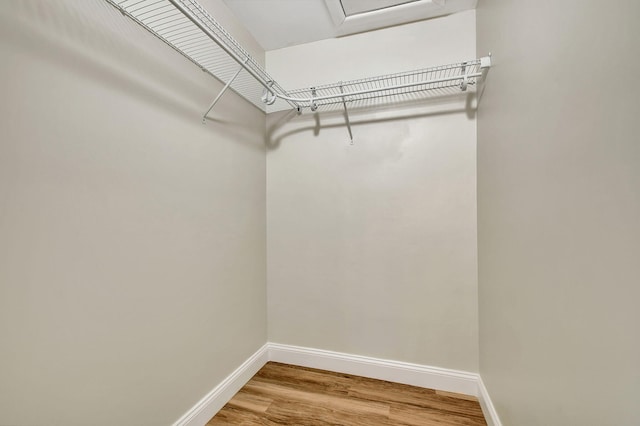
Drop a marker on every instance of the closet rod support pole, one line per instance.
(224, 89)
(346, 116)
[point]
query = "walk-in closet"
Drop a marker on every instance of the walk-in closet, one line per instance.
(319, 212)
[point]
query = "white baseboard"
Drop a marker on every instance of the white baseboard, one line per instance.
(208, 406)
(375, 368)
(489, 411)
(394, 371)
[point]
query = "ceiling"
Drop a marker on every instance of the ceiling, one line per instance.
(281, 23)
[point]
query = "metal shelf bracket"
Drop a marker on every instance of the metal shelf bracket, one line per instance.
(346, 115)
(224, 89)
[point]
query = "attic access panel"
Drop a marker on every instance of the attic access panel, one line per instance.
(354, 7)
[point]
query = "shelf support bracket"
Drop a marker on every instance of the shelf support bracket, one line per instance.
(346, 116)
(224, 89)
(465, 79)
(313, 105)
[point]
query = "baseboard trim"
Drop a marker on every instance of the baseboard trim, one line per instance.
(394, 371)
(376, 368)
(489, 411)
(208, 406)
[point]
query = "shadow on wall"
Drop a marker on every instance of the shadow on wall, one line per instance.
(100, 44)
(98, 56)
(334, 118)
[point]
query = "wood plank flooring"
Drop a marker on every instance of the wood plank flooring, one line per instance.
(281, 394)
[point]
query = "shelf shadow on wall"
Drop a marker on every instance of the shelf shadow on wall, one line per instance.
(335, 117)
(91, 43)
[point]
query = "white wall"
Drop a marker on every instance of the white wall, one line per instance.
(372, 247)
(559, 210)
(132, 237)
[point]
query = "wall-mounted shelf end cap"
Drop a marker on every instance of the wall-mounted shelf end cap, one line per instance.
(485, 64)
(485, 61)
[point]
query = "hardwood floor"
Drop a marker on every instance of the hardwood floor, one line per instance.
(281, 394)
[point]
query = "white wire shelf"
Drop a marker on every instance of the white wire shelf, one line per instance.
(400, 87)
(188, 28)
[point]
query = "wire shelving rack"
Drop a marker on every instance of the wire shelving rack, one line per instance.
(188, 28)
(440, 80)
